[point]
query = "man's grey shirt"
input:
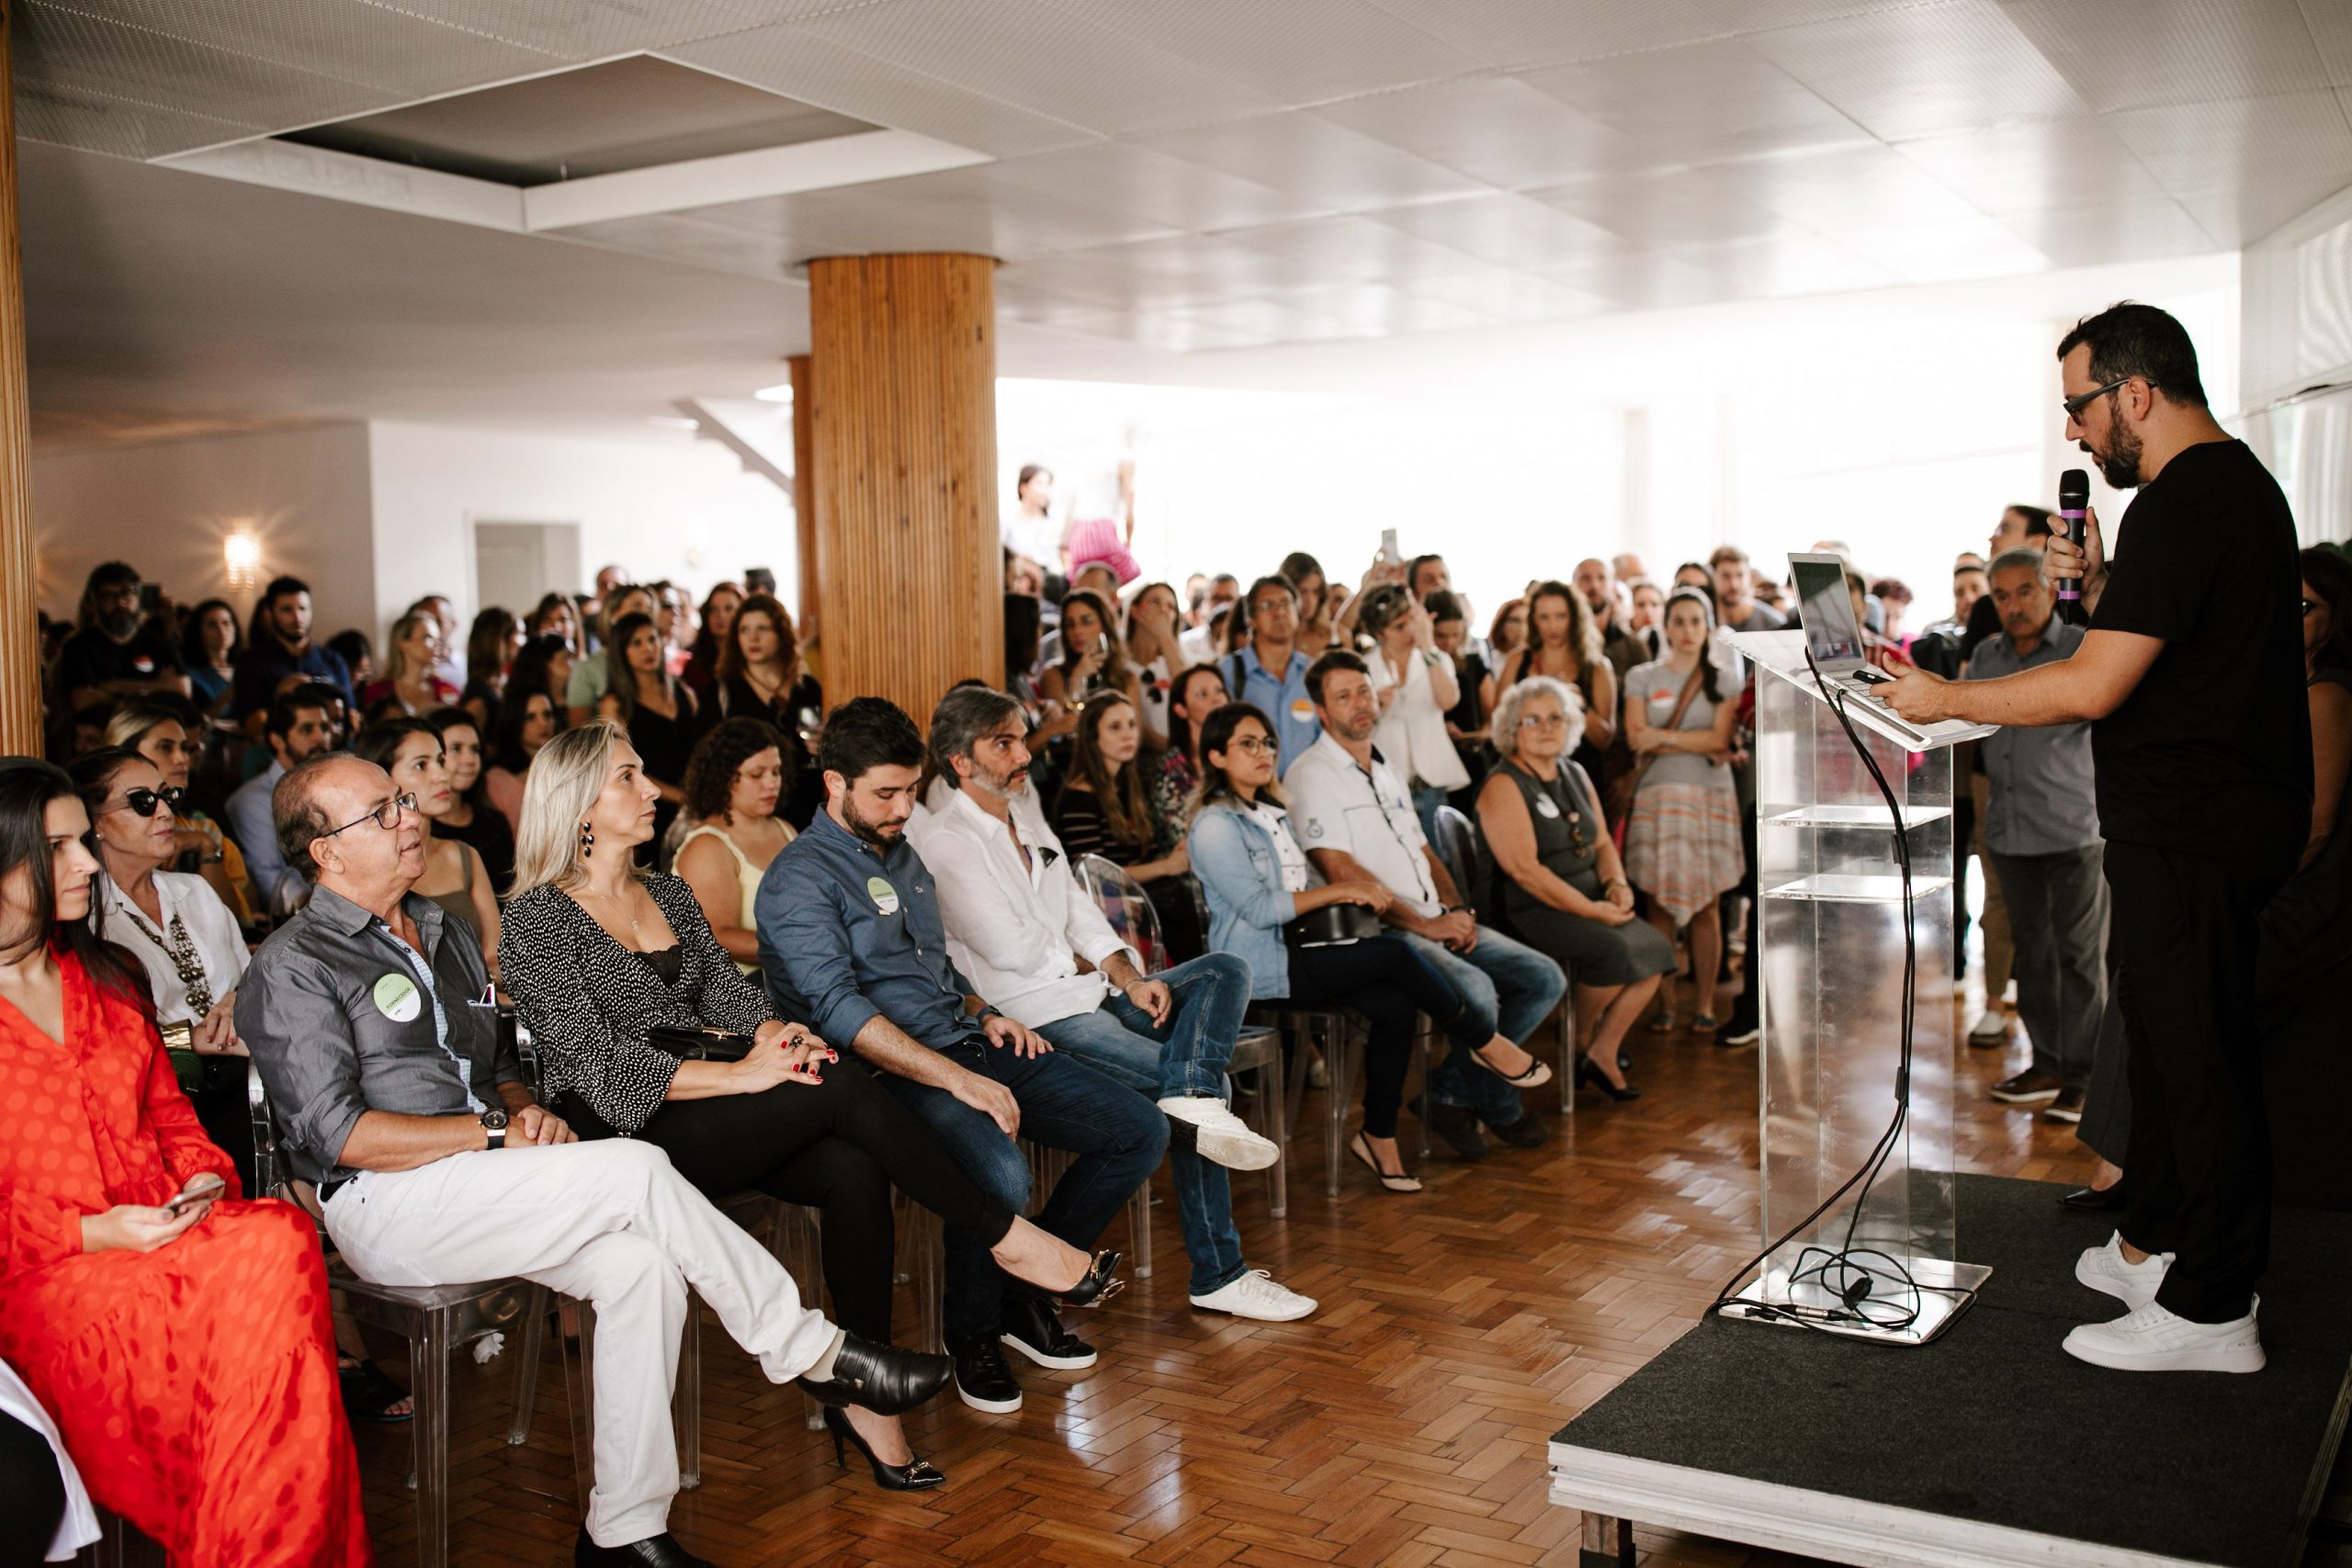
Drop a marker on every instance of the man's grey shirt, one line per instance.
(338, 1022)
(2042, 799)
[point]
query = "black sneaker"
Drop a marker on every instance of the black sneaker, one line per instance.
(983, 1380)
(1457, 1124)
(1030, 1326)
(1528, 1131)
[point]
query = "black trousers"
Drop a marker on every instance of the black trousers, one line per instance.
(32, 1494)
(838, 1147)
(2187, 930)
(1387, 981)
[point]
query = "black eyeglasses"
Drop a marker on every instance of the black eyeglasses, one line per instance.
(2081, 400)
(387, 815)
(142, 802)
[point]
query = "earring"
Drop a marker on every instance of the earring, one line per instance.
(587, 840)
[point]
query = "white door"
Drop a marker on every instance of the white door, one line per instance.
(515, 564)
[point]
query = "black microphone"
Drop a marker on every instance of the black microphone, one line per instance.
(2073, 501)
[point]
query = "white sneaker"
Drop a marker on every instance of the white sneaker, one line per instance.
(1991, 1027)
(2151, 1339)
(1255, 1294)
(1221, 1137)
(2103, 1269)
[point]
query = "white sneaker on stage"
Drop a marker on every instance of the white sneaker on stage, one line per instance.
(2152, 1339)
(1220, 1136)
(2103, 1269)
(1255, 1294)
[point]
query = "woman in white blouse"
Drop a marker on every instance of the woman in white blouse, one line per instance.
(1415, 688)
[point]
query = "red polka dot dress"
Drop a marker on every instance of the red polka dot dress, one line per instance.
(195, 1384)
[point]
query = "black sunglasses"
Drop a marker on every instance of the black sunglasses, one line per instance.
(2081, 400)
(142, 802)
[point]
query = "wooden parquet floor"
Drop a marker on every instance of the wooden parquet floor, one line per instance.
(1404, 1424)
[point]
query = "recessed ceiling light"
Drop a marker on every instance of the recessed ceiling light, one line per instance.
(779, 393)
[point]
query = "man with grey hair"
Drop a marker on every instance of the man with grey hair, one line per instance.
(2039, 832)
(370, 1019)
(1035, 941)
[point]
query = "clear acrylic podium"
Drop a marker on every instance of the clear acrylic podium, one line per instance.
(1832, 928)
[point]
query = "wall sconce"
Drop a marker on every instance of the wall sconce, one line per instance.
(240, 553)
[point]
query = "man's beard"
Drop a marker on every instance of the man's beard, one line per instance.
(122, 628)
(1354, 736)
(2120, 466)
(881, 835)
(1004, 786)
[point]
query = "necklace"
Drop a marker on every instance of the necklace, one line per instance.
(627, 909)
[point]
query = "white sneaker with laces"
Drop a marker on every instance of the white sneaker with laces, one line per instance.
(2104, 1269)
(1255, 1294)
(2151, 1339)
(1221, 1137)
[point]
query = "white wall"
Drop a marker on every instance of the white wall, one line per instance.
(675, 507)
(166, 508)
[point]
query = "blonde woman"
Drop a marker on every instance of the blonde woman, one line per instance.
(408, 660)
(597, 955)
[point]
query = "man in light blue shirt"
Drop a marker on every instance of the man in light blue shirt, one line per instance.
(2041, 837)
(301, 725)
(1269, 675)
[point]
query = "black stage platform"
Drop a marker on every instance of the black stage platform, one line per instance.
(1991, 1445)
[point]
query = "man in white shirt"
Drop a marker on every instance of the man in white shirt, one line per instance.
(1356, 820)
(1034, 943)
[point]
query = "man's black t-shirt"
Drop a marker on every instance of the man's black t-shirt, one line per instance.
(2211, 752)
(90, 658)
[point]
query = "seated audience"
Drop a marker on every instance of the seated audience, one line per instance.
(1413, 686)
(386, 1078)
(1508, 633)
(1466, 721)
(597, 954)
(1091, 661)
(1682, 842)
(1268, 672)
(1257, 880)
(119, 651)
(852, 939)
(1563, 642)
(471, 819)
(299, 725)
(646, 701)
(451, 873)
(555, 616)
(157, 730)
(1102, 808)
(1027, 934)
(411, 678)
(490, 645)
(761, 675)
(1358, 823)
(1153, 657)
(592, 676)
(278, 645)
(125, 1290)
(1176, 776)
(542, 664)
(358, 656)
(718, 624)
(1558, 883)
(527, 722)
(734, 782)
(209, 651)
(1200, 642)
(1319, 601)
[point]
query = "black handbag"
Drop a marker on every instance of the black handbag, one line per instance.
(1333, 925)
(699, 1044)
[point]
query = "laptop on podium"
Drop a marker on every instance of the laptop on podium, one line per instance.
(1833, 635)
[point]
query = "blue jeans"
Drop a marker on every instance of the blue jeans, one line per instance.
(1512, 986)
(1185, 1056)
(1064, 1105)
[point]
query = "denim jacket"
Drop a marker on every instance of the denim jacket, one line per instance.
(1238, 871)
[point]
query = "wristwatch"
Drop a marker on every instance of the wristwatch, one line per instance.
(495, 1122)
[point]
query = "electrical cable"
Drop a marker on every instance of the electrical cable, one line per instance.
(1844, 1271)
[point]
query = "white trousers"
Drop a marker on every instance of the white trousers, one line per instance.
(613, 1223)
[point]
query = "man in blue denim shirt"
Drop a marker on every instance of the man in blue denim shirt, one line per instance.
(1270, 673)
(851, 939)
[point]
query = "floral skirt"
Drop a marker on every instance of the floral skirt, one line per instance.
(1683, 846)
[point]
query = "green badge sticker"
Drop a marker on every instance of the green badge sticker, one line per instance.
(396, 999)
(884, 897)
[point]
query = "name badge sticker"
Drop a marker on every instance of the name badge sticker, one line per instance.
(1302, 711)
(396, 997)
(884, 897)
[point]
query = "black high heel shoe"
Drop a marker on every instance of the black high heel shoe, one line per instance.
(883, 1378)
(1097, 1286)
(1589, 1073)
(915, 1475)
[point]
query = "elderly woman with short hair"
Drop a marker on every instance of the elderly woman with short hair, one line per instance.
(1559, 885)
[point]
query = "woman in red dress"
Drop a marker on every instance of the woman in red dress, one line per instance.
(187, 1359)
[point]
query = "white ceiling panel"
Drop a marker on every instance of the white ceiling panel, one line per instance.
(1299, 52)
(2087, 236)
(1651, 280)
(979, 210)
(1508, 230)
(2127, 54)
(2028, 165)
(1173, 194)
(1848, 187)
(1943, 253)
(1380, 309)
(1513, 296)
(1750, 104)
(1348, 248)
(1804, 264)
(1761, 16)
(1044, 59)
(817, 71)
(696, 244)
(81, 114)
(573, 30)
(1925, 69)
(1496, 130)
(2331, 25)
(1316, 160)
(1672, 207)
(1547, 32)
(1184, 269)
(1161, 329)
(2244, 166)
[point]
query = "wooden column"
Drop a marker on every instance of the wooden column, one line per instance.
(20, 616)
(804, 494)
(903, 396)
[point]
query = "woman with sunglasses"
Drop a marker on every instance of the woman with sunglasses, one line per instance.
(1258, 881)
(165, 1324)
(160, 731)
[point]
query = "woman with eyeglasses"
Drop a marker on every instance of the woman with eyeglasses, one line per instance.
(1258, 881)
(411, 750)
(175, 1333)
(1559, 885)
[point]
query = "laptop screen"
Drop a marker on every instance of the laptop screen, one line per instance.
(1830, 630)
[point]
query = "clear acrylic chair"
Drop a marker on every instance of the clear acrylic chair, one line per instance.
(1456, 843)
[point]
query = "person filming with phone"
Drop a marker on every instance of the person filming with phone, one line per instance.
(2191, 677)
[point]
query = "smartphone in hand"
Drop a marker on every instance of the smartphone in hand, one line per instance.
(202, 1188)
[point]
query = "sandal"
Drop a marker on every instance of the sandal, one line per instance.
(1664, 1022)
(1536, 1076)
(369, 1395)
(1704, 1024)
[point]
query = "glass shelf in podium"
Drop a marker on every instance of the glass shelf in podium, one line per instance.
(1856, 1151)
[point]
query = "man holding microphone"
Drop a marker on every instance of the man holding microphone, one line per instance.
(2191, 678)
